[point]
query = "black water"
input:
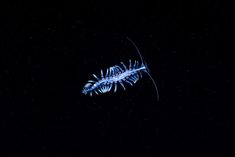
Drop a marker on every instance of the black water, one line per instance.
(49, 51)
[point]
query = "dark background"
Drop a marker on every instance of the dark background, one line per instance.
(48, 52)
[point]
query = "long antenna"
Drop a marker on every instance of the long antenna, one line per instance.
(136, 49)
(154, 83)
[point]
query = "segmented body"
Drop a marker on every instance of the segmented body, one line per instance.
(117, 74)
(114, 75)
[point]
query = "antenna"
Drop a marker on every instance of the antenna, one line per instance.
(154, 83)
(136, 49)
